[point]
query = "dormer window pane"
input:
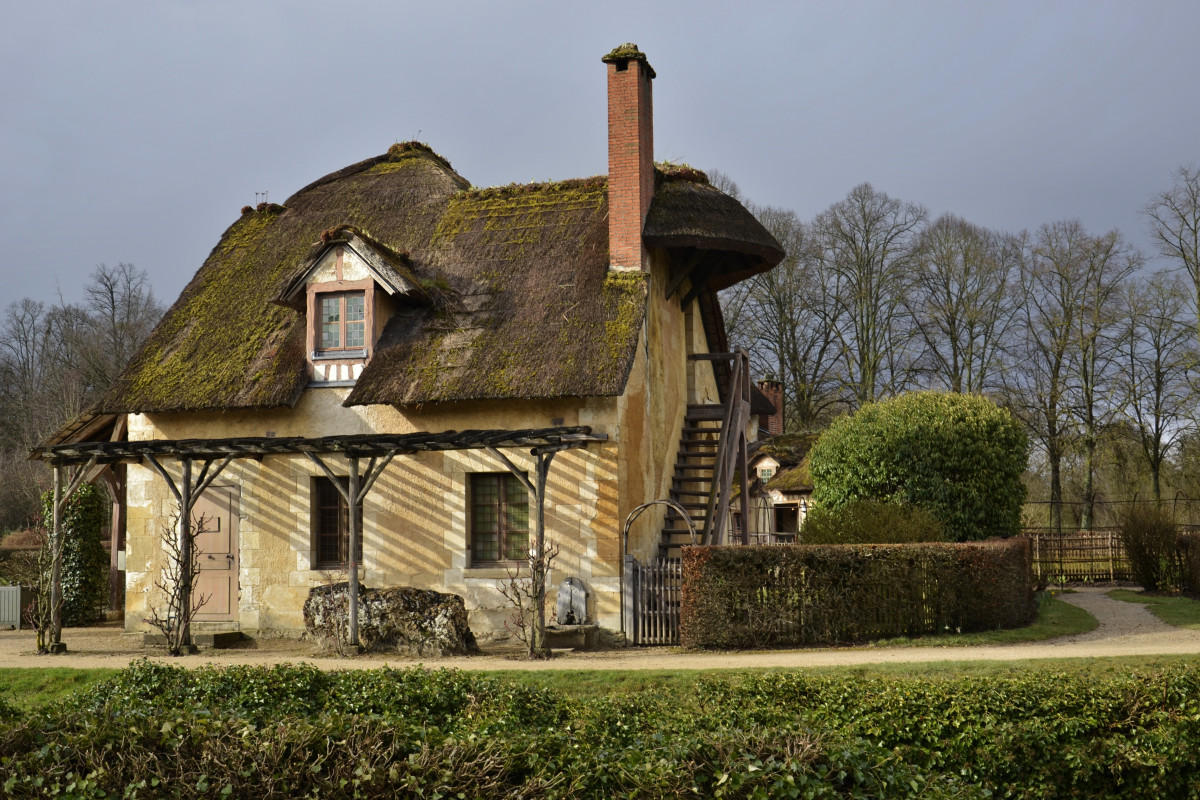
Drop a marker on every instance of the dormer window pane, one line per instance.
(331, 322)
(356, 315)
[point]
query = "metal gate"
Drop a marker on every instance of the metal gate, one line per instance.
(650, 600)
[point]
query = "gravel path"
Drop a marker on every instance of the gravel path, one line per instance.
(1126, 629)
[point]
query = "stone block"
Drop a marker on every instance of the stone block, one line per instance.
(401, 619)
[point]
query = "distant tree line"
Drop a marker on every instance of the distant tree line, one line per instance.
(55, 361)
(1095, 353)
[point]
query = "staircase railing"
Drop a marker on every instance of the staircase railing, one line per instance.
(731, 449)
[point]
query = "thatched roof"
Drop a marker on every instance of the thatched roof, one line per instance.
(687, 213)
(517, 301)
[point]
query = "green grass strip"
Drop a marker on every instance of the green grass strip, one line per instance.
(1055, 618)
(29, 688)
(1182, 612)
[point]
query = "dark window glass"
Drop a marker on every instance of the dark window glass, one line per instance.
(499, 518)
(332, 525)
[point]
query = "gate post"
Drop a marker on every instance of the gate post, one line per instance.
(629, 594)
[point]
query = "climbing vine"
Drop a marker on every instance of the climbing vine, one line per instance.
(85, 563)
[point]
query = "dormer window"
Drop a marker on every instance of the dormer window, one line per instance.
(343, 321)
(348, 287)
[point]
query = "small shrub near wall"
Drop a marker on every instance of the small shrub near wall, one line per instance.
(1149, 534)
(1188, 548)
(738, 597)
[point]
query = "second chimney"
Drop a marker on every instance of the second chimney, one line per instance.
(630, 155)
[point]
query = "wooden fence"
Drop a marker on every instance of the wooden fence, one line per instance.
(1097, 555)
(652, 594)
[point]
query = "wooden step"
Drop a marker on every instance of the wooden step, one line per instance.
(699, 413)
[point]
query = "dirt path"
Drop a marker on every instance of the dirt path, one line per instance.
(1126, 629)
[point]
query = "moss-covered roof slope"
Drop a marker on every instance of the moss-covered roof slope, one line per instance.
(520, 301)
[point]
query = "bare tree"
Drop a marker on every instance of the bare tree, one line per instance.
(1158, 352)
(1039, 383)
(867, 241)
(55, 361)
(964, 302)
(175, 582)
(1107, 262)
(1175, 224)
(121, 312)
(791, 323)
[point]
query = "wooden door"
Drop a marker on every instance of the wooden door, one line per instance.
(217, 546)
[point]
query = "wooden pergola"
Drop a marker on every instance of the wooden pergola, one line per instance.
(73, 462)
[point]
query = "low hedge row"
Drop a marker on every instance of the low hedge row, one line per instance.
(293, 732)
(828, 594)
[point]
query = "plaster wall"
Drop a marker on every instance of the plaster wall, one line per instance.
(651, 412)
(414, 519)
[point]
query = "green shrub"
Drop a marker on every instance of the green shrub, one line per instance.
(960, 457)
(1149, 534)
(85, 562)
(870, 522)
(765, 734)
(737, 597)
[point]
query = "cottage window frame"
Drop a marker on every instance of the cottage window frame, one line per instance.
(510, 493)
(355, 355)
(343, 348)
(325, 496)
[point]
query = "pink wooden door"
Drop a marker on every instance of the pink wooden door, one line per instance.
(217, 545)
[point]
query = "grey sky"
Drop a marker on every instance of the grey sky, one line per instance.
(135, 131)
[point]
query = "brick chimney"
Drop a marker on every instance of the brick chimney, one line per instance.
(630, 155)
(773, 390)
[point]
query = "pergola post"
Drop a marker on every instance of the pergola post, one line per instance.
(56, 551)
(57, 534)
(358, 485)
(186, 494)
(185, 551)
(541, 567)
(352, 556)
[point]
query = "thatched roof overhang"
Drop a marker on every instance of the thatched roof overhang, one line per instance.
(719, 239)
(371, 445)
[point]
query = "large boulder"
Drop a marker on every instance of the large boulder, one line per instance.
(404, 620)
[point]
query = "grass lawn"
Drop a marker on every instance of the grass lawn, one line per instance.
(1055, 618)
(1182, 612)
(26, 687)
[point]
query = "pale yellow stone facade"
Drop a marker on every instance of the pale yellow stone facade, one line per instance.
(415, 517)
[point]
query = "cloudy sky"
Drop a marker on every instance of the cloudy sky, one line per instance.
(135, 131)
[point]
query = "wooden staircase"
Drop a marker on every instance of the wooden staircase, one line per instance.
(711, 445)
(692, 479)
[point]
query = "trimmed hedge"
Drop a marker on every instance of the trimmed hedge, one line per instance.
(748, 597)
(291, 731)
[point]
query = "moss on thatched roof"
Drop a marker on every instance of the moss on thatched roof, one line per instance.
(791, 479)
(790, 450)
(517, 299)
(538, 316)
(223, 344)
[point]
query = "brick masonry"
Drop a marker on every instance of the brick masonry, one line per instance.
(630, 161)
